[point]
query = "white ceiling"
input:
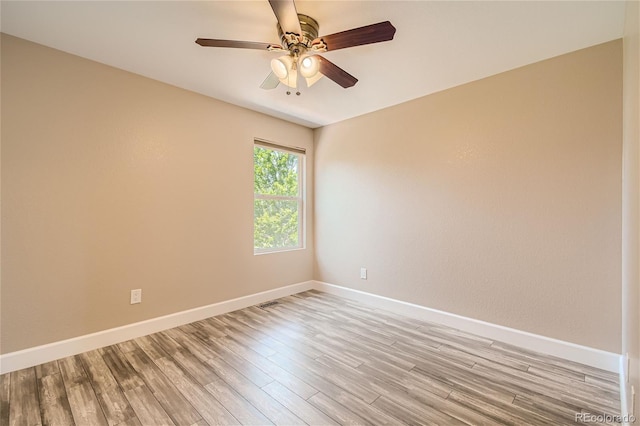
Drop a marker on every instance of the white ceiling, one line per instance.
(438, 45)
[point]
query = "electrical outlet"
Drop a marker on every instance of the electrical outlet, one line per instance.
(136, 296)
(363, 273)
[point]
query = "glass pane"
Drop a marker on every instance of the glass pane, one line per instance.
(275, 224)
(275, 172)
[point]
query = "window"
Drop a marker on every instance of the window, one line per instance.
(278, 197)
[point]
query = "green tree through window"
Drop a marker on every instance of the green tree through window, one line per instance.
(277, 199)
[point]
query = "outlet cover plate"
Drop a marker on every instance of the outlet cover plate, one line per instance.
(136, 296)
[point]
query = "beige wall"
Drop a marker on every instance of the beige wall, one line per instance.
(498, 200)
(631, 196)
(110, 182)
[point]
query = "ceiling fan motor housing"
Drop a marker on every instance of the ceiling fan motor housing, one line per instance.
(297, 44)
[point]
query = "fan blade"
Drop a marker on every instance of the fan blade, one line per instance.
(287, 16)
(210, 42)
(271, 82)
(335, 73)
(374, 33)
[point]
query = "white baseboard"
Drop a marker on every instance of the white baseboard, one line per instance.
(583, 354)
(40, 354)
(624, 406)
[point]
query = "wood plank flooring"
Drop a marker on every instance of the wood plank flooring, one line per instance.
(314, 359)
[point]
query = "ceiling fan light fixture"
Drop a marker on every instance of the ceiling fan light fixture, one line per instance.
(284, 68)
(313, 80)
(309, 66)
(291, 79)
(280, 67)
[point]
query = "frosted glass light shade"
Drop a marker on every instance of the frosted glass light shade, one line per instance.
(309, 66)
(279, 68)
(283, 68)
(291, 80)
(312, 80)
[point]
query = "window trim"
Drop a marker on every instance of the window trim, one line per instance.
(279, 147)
(300, 198)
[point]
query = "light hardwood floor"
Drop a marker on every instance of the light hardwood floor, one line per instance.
(311, 359)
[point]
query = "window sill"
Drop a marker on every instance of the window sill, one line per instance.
(260, 253)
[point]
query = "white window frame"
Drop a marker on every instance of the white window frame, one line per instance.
(300, 198)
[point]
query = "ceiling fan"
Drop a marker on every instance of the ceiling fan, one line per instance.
(300, 41)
